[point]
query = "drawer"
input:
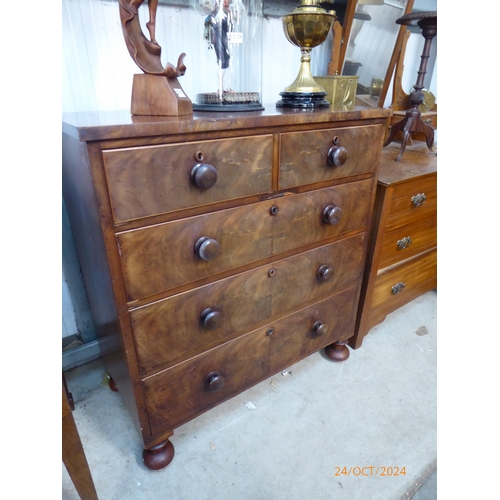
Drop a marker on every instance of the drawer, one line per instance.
(413, 200)
(243, 235)
(304, 155)
(182, 392)
(152, 180)
(406, 241)
(392, 285)
(188, 322)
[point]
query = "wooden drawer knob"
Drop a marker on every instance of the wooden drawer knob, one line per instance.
(211, 318)
(204, 175)
(337, 156)
(207, 248)
(319, 329)
(325, 273)
(332, 214)
(214, 381)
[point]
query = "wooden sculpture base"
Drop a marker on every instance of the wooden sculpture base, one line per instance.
(159, 96)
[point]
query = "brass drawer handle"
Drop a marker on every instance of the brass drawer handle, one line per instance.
(418, 199)
(404, 242)
(332, 214)
(207, 248)
(211, 318)
(398, 287)
(204, 175)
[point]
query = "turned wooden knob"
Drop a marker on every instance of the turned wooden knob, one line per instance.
(332, 214)
(215, 381)
(337, 156)
(207, 248)
(211, 318)
(204, 175)
(319, 329)
(325, 273)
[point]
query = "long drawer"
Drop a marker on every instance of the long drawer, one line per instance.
(151, 180)
(412, 201)
(197, 319)
(406, 241)
(161, 257)
(184, 391)
(394, 284)
(304, 155)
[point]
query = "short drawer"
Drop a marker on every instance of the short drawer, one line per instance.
(406, 241)
(184, 391)
(404, 279)
(413, 200)
(242, 235)
(198, 319)
(151, 180)
(304, 155)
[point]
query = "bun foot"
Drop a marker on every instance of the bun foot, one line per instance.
(158, 456)
(338, 351)
(112, 384)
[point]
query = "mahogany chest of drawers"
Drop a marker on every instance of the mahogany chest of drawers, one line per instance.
(402, 257)
(218, 250)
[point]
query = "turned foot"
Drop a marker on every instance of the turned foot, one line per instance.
(338, 351)
(112, 384)
(158, 456)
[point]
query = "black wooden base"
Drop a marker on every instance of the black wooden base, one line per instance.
(306, 100)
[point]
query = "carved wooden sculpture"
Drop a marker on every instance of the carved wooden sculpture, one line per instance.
(157, 91)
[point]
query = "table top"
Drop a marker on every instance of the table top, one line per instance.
(416, 161)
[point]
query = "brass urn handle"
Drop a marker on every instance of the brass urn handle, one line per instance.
(325, 273)
(207, 248)
(337, 156)
(319, 329)
(204, 175)
(214, 381)
(332, 214)
(398, 287)
(404, 242)
(418, 199)
(211, 318)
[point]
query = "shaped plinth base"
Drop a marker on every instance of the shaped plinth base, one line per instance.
(159, 96)
(338, 351)
(159, 456)
(304, 100)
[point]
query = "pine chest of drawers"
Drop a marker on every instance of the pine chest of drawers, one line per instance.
(402, 258)
(218, 250)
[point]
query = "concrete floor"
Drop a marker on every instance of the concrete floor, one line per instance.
(377, 409)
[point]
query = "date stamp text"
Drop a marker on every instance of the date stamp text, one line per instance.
(371, 470)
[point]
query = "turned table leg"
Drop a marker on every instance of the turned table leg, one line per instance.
(159, 456)
(338, 351)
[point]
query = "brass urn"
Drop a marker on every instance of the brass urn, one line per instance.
(306, 27)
